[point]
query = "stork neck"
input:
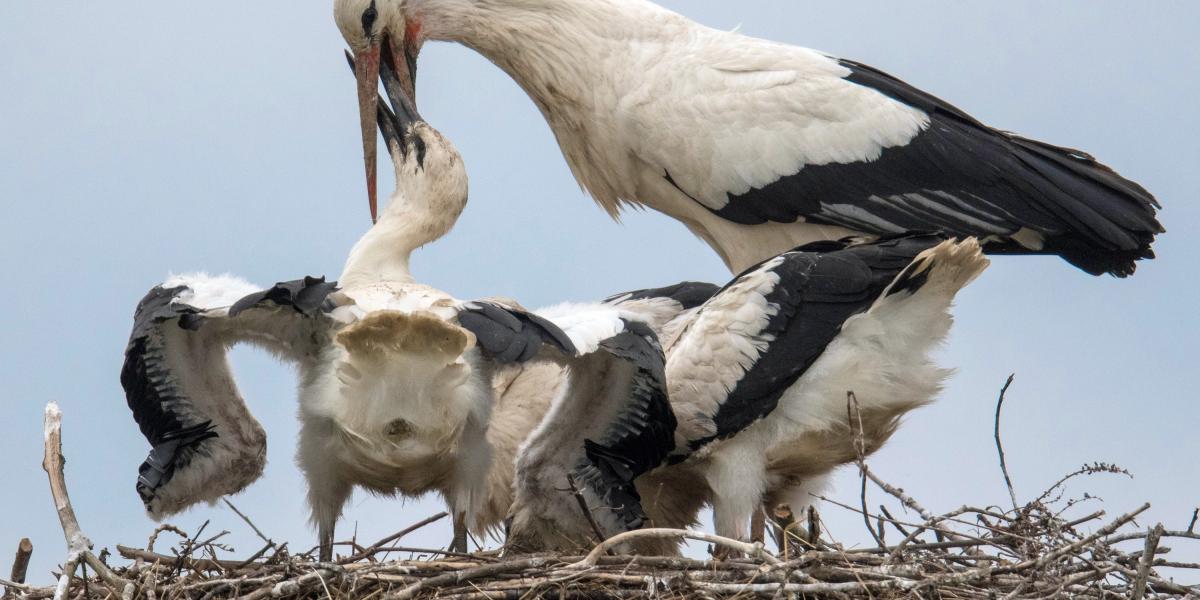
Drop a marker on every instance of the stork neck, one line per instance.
(554, 49)
(578, 60)
(383, 253)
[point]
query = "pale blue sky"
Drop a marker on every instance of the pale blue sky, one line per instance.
(139, 138)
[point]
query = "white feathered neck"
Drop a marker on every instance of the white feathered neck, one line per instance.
(431, 193)
(573, 58)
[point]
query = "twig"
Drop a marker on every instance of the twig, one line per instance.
(63, 590)
(188, 547)
(257, 555)
(78, 545)
(583, 507)
(752, 550)
(163, 528)
(1000, 447)
(1092, 469)
(883, 509)
(1082, 520)
(1192, 526)
(1143, 572)
(470, 574)
(257, 532)
(53, 463)
(431, 551)
(373, 548)
(853, 416)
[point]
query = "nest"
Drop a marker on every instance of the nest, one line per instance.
(1032, 550)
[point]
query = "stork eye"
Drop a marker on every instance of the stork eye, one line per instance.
(368, 18)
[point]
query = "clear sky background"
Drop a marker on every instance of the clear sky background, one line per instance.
(139, 138)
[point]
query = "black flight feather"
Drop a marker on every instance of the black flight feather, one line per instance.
(963, 178)
(640, 437)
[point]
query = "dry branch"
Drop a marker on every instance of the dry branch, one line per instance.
(21, 563)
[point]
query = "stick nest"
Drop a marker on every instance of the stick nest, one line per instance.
(1032, 550)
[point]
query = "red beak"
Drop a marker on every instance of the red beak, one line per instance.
(366, 71)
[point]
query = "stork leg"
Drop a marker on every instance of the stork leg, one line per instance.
(459, 543)
(758, 526)
(737, 478)
(325, 539)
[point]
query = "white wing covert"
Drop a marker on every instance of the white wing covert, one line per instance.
(756, 337)
(759, 132)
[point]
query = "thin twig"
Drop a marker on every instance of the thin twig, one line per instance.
(257, 531)
(1000, 447)
(373, 548)
(583, 507)
(853, 417)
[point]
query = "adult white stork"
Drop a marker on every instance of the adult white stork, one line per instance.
(396, 378)
(759, 147)
(758, 375)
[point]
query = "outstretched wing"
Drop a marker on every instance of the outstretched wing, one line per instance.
(177, 381)
(611, 423)
(769, 133)
(747, 345)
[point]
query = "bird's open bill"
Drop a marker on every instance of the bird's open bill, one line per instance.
(367, 67)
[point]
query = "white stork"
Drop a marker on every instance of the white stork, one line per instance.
(758, 374)
(759, 147)
(396, 378)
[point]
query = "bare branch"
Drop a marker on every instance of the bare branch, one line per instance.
(1000, 447)
(1143, 572)
(20, 565)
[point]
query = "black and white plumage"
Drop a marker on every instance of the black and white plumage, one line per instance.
(396, 378)
(624, 433)
(759, 375)
(178, 386)
(759, 147)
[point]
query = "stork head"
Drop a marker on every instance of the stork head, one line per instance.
(431, 191)
(377, 36)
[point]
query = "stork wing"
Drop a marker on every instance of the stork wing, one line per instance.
(612, 422)
(764, 132)
(178, 384)
(639, 435)
(756, 337)
(509, 335)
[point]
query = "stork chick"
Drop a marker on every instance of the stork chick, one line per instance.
(396, 378)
